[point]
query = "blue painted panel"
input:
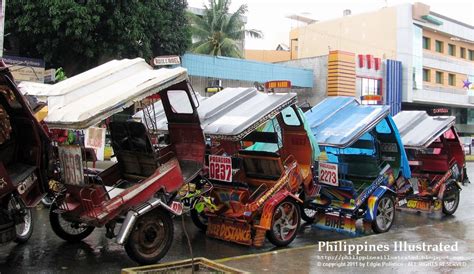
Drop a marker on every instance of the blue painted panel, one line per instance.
(245, 70)
(393, 86)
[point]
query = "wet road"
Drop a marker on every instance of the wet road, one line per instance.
(46, 253)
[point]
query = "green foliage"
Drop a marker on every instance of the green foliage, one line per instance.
(81, 34)
(218, 31)
(60, 75)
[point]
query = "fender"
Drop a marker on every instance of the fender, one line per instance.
(450, 185)
(176, 208)
(269, 207)
(371, 211)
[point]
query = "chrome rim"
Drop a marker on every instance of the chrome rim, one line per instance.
(385, 213)
(450, 204)
(71, 228)
(285, 221)
(23, 228)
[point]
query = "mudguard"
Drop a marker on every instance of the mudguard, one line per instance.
(269, 207)
(371, 211)
(449, 186)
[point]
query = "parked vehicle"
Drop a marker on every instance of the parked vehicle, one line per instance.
(138, 191)
(436, 159)
(362, 157)
(259, 159)
(24, 147)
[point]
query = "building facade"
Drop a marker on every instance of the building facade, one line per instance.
(436, 52)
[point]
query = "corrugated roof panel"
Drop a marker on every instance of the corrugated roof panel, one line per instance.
(419, 130)
(90, 97)
(340, 121)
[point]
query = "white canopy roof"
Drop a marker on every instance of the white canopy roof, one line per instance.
(230, 114)
(418, 129)
(90, 97)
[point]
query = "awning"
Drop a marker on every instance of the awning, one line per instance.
(419, 130)
(340, 121)
(90, 97)
(232, 113)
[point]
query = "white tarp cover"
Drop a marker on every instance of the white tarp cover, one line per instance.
(38, 90)
(418, 129)
(231, 113)
(92, 96)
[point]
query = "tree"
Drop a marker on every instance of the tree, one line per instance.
(217, 32)
(81, 34)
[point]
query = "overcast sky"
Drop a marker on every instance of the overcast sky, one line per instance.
(269, 15)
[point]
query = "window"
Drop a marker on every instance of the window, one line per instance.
(439, 46)
(452, 79)
(439, 77)
(426, 43)
(471, 55)
(179, 102)
(426, 75)
(289, 117)
(463, 53)
(451, 49)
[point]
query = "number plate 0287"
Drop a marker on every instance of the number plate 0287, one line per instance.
(220, 168)
(328, 174)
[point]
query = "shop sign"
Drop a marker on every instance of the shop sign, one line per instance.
(25, 69)
(220, 168)
(277, 84)
(166, 60)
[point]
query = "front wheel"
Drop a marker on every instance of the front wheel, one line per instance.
(151, 237)
(285, 223)
(385, 214)
(24, 228)
(67, 230)
(450, 200)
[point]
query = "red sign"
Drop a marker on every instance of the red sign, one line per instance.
(328, 174)
(220, 168)
(278, 84)
(372, 97)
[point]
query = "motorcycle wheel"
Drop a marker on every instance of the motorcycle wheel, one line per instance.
(151, 237)
(385, 214)
(69, 231)
(47, 200)
(450, 200)
(285, 223)
(24, 229)
(199, 219)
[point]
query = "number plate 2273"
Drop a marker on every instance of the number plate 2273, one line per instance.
(328, 174)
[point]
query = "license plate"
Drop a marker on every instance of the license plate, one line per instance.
(220, 168)
(328, 174)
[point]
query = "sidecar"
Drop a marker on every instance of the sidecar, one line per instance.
(362, 156)
(436, 158)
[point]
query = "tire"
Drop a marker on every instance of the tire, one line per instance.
(450, 201)
(199, 219)
(23, 230)
(285, 216)
(144, 245)
(307, 214)
(72, 232)
(385, 214)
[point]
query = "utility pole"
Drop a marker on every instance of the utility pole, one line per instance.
(2, 24)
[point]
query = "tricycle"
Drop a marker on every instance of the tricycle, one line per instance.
(436, 158)
(24, 148)
(361, 157)
(139, 189)
(259, 159)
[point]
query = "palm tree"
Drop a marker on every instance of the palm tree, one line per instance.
(217, 31)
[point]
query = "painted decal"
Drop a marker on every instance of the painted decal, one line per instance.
(70, 158)
(220, 168)
(421, 205)
(26, 184)
(3, 183)
(229, 231)
(328, 174)
(336, 223)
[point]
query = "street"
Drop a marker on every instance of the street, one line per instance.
(46, 253)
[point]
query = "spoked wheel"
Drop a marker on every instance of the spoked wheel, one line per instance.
(450, 200)
(151, 237)
(199, 219)
(24, 228)
(67, 230)
(285, 223)
(385, 214)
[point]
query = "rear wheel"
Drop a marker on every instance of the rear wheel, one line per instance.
(151, 237)
(385, 214)
(67, 230)
(285, 223)
(24, 228)
(450, 199)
